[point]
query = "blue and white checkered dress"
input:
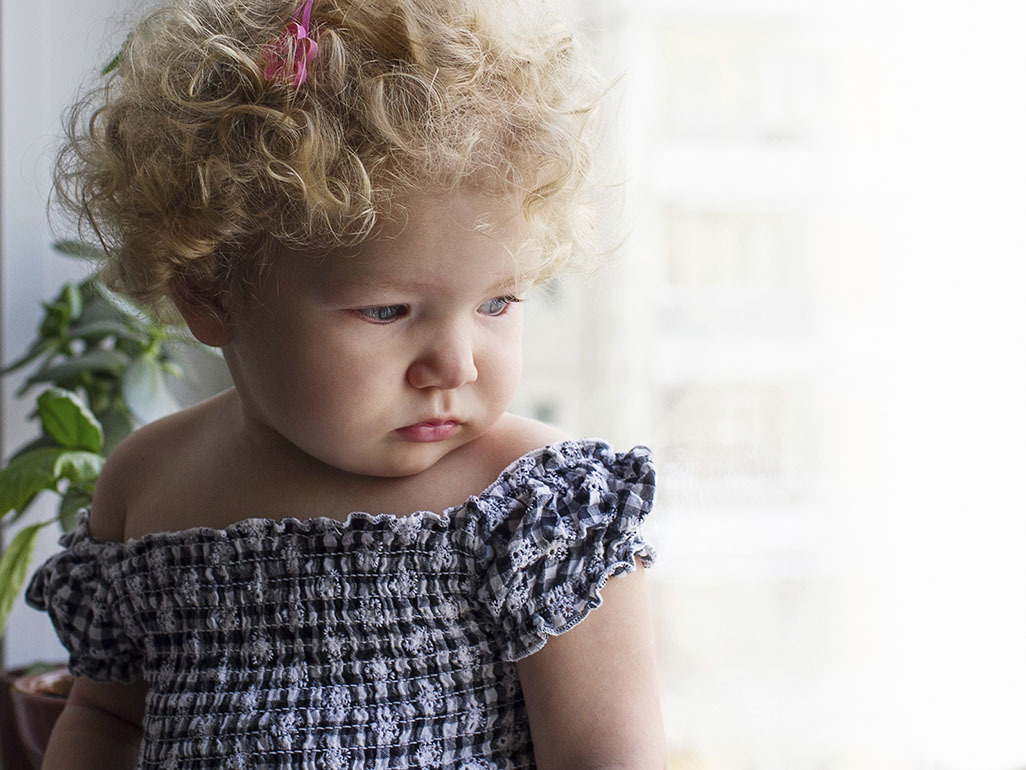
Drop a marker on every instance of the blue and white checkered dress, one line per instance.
(371, 642)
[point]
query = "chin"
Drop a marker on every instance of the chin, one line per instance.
(397, 467)
(412, 459)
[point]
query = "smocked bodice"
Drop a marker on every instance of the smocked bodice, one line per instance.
(372, 641)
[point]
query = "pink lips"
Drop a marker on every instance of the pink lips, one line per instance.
(427, 432)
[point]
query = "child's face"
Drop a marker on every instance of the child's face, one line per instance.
(382, 362)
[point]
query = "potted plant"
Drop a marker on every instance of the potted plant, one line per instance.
(98, 368)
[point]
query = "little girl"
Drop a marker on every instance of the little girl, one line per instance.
(355, 558)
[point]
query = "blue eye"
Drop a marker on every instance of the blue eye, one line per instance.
(497, 305)
(384, 314)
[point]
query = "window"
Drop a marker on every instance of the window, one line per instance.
(817, 324)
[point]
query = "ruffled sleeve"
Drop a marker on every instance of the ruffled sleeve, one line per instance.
(80, 590)
(570, 520)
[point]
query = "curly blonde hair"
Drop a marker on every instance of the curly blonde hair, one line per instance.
(189, 165)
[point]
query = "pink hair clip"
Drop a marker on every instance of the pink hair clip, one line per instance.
(288, 54)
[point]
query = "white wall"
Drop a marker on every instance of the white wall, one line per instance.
(47, 46)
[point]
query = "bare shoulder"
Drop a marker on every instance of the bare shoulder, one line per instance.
(514, 436)
(478, 464)
(135, 465)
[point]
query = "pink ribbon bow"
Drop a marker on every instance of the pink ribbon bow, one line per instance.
(288, 54)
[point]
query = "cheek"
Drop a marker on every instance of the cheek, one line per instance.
(507, 360)
(515, 361)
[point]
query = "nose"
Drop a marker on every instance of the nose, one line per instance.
(446, 361)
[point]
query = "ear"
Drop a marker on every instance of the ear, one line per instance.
(203, 313)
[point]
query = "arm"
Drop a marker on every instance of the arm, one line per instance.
(99, 729)
(101, 726)
(592, 693)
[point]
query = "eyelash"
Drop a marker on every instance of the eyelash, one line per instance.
(387, 313)
(374, 314)
(506, 302)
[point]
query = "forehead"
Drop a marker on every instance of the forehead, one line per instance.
(431, 240)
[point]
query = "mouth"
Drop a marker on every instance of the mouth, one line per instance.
(428, 431)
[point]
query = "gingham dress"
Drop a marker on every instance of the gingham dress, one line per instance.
(369, 642)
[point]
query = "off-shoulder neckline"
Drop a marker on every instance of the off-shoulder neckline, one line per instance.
(264, 524)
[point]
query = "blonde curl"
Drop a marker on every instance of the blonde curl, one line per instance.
(189, 166)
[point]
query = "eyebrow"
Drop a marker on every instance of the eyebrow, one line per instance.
(377, 290)
(397, 283)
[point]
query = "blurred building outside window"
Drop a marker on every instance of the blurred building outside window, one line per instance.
(819, 605)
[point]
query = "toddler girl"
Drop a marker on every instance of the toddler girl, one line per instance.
(355, 557)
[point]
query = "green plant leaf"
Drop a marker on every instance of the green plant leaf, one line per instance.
(172, 368)
(145, 390)
(71, 298)
(75, 499)
(16, 516)
(36, 350)
(55, 322)
(50, 356)
(95, 331)
(97, 307)
(66, 417)
(119, 303)
(107, 361)
(79, 249)
(14, 567)
(114, 63)
(117, 424)
(43, 442)
(27, 476)
(78, 467)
